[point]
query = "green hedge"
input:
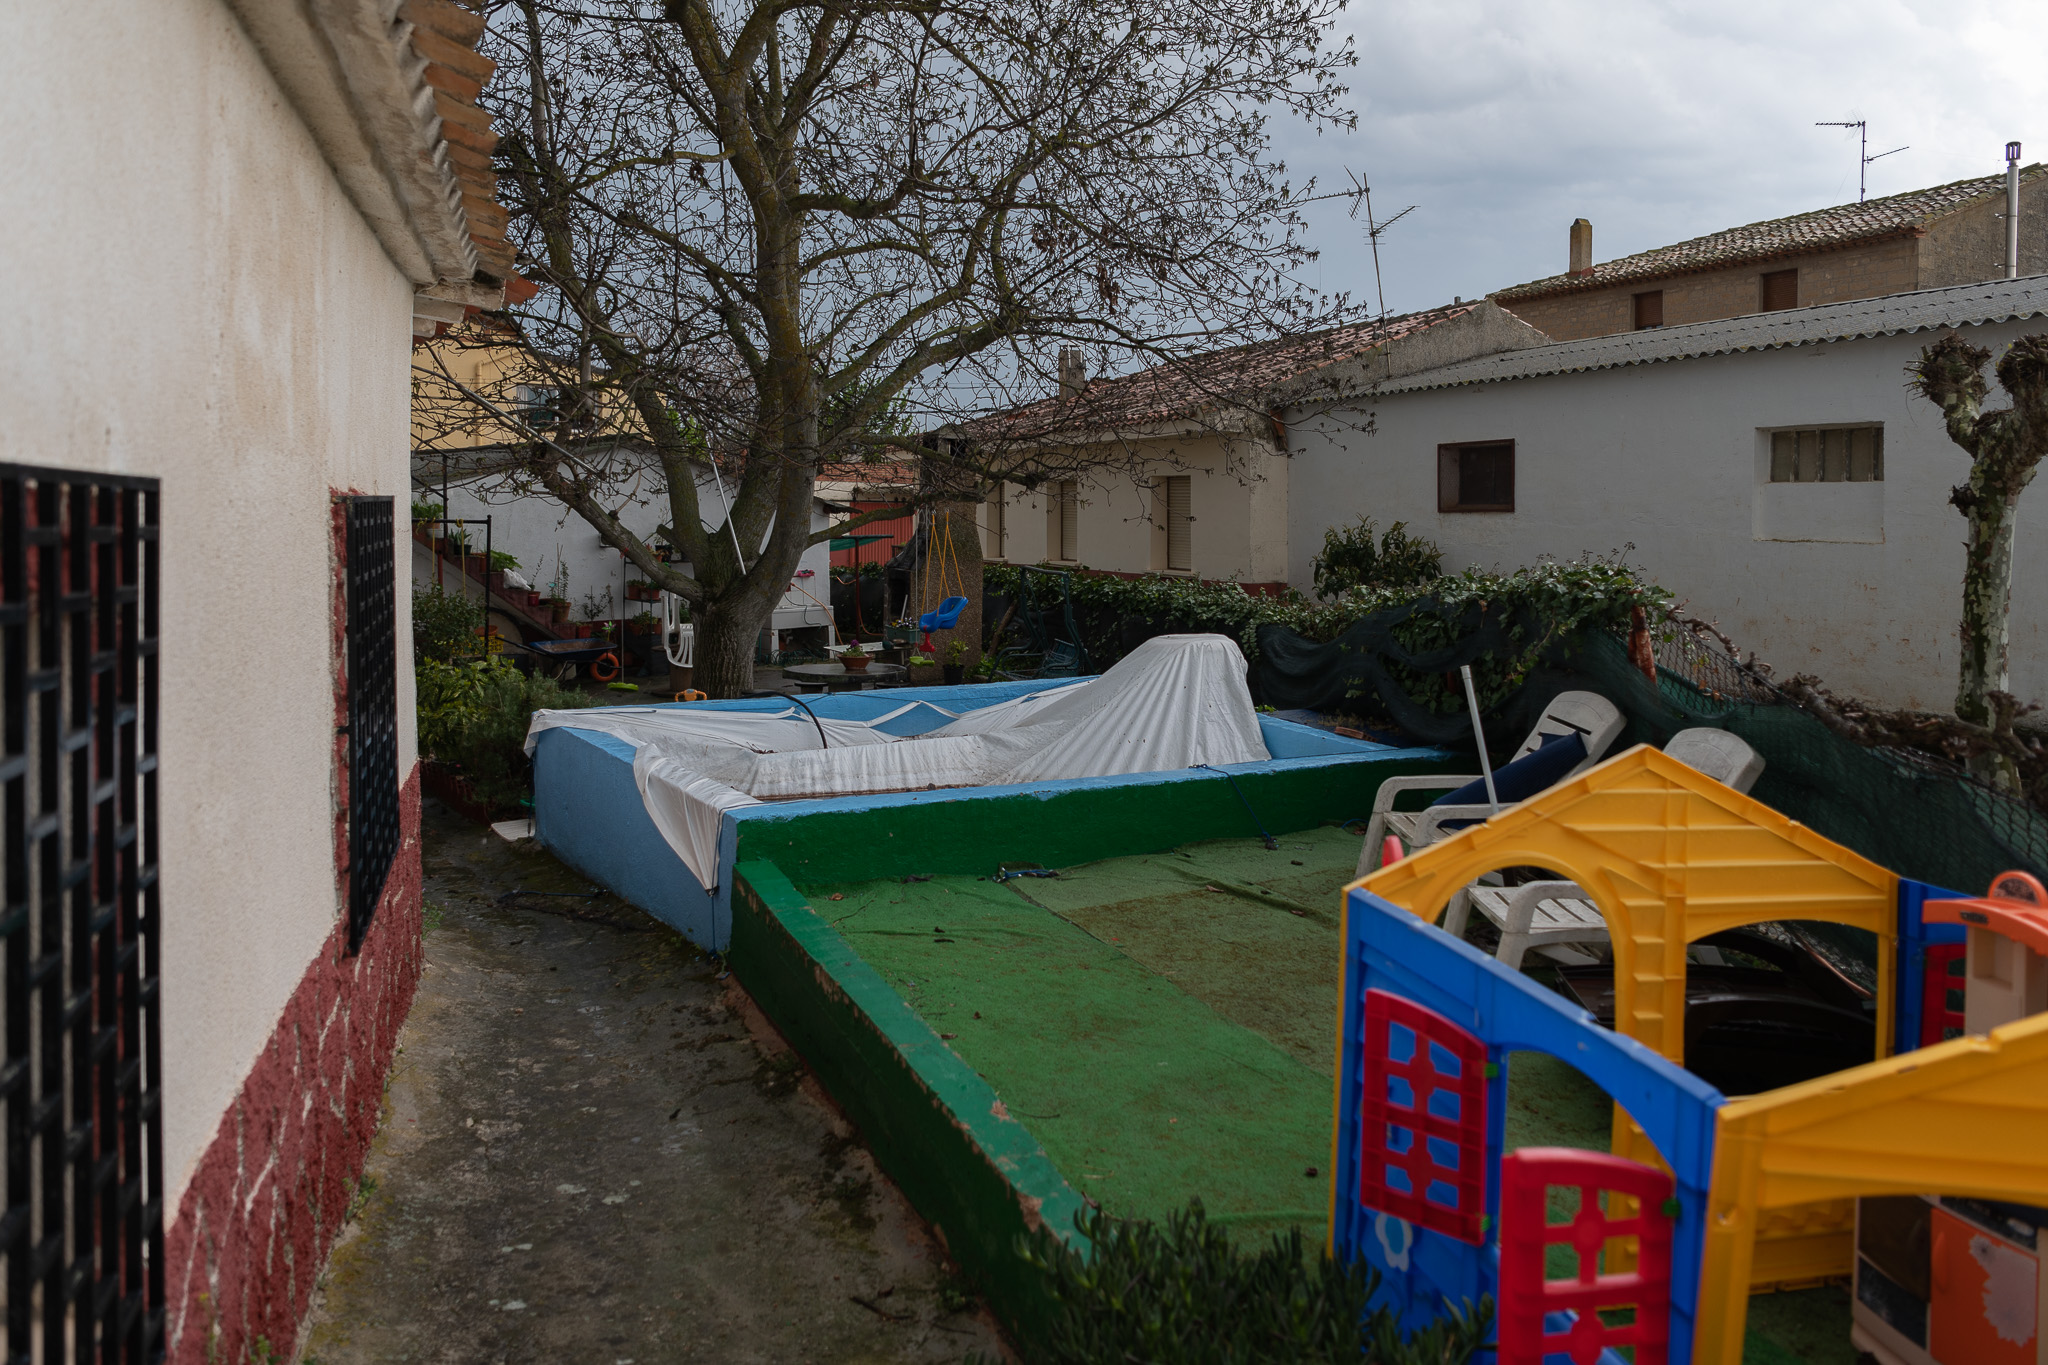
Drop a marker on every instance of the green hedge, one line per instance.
(1560, 598)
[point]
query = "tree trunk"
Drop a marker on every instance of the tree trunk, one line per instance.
(1987, 600)
(726, 632)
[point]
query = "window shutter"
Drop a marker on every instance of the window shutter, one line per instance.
(1070, 516)
(1180, 553)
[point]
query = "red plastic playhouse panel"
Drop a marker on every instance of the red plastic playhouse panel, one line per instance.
(1423, 1132)
(1525, 1232)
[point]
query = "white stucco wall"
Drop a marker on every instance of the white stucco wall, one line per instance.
(543, 535)
(188, 294)
(1237, 498)
(1670, 457)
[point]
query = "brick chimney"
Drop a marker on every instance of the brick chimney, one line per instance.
(1582, 247)
(1073, 374)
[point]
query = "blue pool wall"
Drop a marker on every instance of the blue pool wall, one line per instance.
(588, 812)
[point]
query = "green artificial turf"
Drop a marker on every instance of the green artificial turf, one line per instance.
(1142, 1095)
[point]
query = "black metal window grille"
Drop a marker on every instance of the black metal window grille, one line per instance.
(82, 1237)
(372, 709)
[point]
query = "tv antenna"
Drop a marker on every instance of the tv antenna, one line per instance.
(1361, 194)
(1865, 158)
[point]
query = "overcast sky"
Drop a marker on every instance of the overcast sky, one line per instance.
(1503, 120)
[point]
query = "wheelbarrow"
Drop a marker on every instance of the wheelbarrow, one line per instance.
(601, 656)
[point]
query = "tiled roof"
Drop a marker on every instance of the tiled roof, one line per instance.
(1801, 234)
(444, 37)
(1959, 305)
(1240, 376)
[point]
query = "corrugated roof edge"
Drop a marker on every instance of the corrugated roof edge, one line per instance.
(1962, 305)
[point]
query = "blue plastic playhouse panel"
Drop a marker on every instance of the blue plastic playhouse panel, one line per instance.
(1387, 948)
(1915, 939)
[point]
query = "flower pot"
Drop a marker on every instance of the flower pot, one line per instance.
(855, 665)
(558, 612)
(637, 593)
(954, 674)
(532, 601)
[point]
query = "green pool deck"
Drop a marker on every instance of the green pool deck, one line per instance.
(1160, 1026)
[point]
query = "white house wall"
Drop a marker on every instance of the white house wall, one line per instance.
(191, 296)
(1237, 495)
(543, 535)
(1670, 457)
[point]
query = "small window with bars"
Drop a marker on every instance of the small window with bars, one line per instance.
(1180, 521)
(372, 681)
(1477, 476)
(82, 1241)
(1067, 519)
(1828, 455)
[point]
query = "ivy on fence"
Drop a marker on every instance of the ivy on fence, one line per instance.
(1541, 604)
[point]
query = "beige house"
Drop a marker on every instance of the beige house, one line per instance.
(1927, 239)
(1184, 468)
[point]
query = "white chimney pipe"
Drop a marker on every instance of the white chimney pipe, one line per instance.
(2012, 210)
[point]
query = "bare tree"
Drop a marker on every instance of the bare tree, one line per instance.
(778, 234)
(2005, 447)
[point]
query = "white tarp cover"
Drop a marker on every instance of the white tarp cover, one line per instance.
(1176, 701)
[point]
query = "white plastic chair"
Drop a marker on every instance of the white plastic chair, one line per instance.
(1550, 913)
(1590, 715)
(678, 636)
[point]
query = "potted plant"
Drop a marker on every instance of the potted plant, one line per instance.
(854, 659)
(954, 670)
(643, 624)
(501, 564)
(640, 590)
(426, 516)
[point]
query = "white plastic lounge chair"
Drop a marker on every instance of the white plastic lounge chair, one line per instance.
(1589, 715)
(1549, 913)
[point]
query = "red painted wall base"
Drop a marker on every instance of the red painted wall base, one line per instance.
(268, 1197)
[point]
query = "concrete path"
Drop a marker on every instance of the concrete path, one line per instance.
(594, 1151)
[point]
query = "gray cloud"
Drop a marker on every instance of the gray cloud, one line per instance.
(1505, 119)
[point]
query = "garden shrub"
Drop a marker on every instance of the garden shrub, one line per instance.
(473, 718)
(1351, 559)
(444, 624)
(1545, 603)
(1184, 1294)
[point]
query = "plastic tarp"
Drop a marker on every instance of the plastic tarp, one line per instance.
(1177, 701)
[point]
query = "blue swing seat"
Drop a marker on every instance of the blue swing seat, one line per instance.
(942, 619)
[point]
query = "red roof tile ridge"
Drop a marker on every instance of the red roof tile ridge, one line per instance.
(1822, 229)
(1190, 385)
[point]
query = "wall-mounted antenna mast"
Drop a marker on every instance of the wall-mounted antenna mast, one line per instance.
(1864, 158)
(1361, 193)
